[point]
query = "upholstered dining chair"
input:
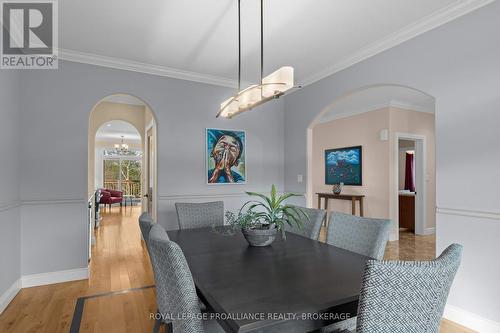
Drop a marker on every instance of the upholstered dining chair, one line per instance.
(404, 296)
(310, 227)
(199, 215)
(366, 236)
(175, 291)
(145, 224)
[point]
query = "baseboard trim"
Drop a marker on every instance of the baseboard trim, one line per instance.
(471, 320)
(9, 295)
(430, 231)
(54, 277)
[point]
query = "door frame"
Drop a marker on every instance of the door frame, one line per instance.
(420, 182)
(151, 128)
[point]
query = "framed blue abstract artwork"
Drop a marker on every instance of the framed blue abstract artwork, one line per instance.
(225, 156)
(343, 165)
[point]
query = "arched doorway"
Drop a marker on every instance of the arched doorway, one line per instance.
(118, 160)
(122, 146)
(135, 111)
(376, 118)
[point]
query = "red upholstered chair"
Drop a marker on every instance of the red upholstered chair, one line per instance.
(110, 197)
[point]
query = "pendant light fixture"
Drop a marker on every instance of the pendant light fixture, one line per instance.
(121, 149)
(272, 86)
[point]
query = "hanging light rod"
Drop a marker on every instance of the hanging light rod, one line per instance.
(272, 86)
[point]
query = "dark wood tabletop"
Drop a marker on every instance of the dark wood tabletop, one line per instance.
(298, 276)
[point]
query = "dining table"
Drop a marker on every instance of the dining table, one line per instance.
(293, 285)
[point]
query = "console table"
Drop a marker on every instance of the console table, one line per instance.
(351, 197)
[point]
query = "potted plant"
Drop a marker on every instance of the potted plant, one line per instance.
(260, 220)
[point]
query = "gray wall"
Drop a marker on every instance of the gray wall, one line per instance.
(56, 109)
(458, 64)
(10, 239)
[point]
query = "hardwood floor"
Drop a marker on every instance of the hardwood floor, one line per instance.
(120, 262)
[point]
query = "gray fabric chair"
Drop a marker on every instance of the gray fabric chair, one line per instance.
(405, 296)
(145, 224)
(310, 228)
(199, 215)
(175, 290)
(362, 235)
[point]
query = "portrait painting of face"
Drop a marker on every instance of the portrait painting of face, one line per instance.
(226, 156)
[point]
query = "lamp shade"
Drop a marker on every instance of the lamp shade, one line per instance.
(272, 86)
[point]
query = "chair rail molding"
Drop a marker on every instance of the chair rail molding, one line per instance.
(10, 204)
(468, 212)
(52, 201)
(201, 196)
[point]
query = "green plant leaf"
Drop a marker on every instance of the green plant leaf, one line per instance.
(273, 196)
(286, 196)
(262, 196)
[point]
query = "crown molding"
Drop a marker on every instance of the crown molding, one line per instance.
(140, 67)
(434, 20)
(409, 106)
(374, 107)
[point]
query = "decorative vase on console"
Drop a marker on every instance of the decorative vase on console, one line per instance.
(337, 188)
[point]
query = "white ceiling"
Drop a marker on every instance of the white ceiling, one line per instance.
(112, 131)
(375, 98)
(197, 39)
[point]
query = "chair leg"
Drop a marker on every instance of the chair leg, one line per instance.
(158, 323)
(156, 328)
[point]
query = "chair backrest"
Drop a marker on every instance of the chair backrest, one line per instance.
(175, 291)
(145, 223)
(406, 296)
(362, 235)
(310, 227)
(199, 215)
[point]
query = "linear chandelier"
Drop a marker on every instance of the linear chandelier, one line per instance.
(272, 86)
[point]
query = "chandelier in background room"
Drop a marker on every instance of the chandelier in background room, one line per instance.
(270, 87)
(121, 149)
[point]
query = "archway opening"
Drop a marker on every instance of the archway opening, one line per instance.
(122, 165)
(118, 161)
(356, 141)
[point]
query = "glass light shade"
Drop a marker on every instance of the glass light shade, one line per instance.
(278, 82)
(272, 86)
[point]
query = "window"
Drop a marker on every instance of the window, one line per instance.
(123, 173)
